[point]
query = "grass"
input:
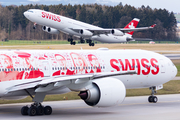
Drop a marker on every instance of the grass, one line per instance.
(171, 87)
(33, 42)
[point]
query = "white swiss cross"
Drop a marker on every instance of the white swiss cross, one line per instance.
(131, 25)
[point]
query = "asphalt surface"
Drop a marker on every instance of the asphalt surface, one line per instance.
(133, 108)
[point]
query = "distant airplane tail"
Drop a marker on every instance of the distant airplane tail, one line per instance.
(133, 24)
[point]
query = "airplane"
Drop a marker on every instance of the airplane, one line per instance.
(100, 76)
(53, 24)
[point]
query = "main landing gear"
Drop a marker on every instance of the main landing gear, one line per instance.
(81, 41)
(152, 98)
(90, 42)
(36, 109)
(71, 41)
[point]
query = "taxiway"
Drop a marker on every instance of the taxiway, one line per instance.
(133, 108)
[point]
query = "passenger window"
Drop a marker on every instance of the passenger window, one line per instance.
(3, 70)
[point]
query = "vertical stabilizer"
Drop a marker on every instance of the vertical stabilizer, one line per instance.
(132, 24)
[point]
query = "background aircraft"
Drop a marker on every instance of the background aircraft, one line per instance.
(53, 24)
(101, 76)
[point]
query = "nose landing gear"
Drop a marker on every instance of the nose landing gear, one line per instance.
(152, 98)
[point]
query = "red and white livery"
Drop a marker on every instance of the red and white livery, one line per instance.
(53, 23)
(99, 75)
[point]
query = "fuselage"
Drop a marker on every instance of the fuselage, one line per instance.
(18, 66)
(69, 26)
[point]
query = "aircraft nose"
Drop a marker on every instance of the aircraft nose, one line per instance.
(26, 14)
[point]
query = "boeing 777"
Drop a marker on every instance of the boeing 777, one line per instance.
(100, 76)
(53, 24)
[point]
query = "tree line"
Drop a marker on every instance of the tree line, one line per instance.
(14, 26)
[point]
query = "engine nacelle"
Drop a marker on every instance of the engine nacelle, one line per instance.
(117, 32)
(85, 32)
(104, 92)
(50, 30)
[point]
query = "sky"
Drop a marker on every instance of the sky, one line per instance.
(170, 5)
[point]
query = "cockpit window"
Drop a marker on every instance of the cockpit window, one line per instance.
(30, 11)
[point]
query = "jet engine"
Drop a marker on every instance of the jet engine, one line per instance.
(50, 30)
(104, 92)
(117, 32)
(85, 32)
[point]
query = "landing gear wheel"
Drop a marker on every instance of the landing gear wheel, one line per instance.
(150, 99)
(153, 99)
(40, 110)
(72, 43)
(47, 110)
(89, 44)
(69, 40)
(24, 110)
(32, 111)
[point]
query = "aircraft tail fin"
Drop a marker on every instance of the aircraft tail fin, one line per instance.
(131, 25)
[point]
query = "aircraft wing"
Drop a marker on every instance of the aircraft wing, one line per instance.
(50, 82)
(94, 31)
(109, 30)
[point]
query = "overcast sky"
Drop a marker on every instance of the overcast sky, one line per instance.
(170, 5)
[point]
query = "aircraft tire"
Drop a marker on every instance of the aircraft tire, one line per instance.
(40, 110)
(155, 99)
(150, 99)
(24, 110)
(32, 111)
(47, 110)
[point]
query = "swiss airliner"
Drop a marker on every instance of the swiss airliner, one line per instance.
(54, 24)
(98, 75)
